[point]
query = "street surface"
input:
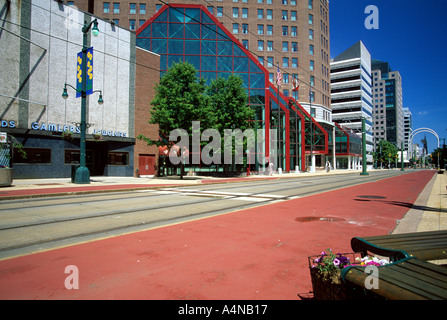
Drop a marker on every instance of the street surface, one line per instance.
(258, 250)
(29, 225)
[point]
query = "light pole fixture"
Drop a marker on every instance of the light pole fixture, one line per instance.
(402, 156)
(82, 175)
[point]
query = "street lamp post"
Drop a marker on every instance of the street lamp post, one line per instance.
(312, 159)
(82, 175)
(402, 156)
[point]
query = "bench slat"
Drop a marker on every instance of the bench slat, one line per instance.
(408, 279)
(428, 245)
(422, 280)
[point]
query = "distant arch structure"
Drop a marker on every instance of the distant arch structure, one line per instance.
(420, 130)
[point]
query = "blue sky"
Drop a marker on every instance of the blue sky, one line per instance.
(412, 37)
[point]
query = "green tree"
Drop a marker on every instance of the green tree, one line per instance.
(179, 100)
(228, 99)
(386, 153)
(439, 156)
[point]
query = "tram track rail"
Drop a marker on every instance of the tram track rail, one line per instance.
(148, 211)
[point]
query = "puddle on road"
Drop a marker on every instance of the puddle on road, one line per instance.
(313, 218)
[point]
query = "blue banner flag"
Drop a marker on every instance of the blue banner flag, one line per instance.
(89, 72)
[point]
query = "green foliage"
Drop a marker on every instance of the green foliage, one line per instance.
(439, 156)
(386, 152)
(181, 97)
(228, 100)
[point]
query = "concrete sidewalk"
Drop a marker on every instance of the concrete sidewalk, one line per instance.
(429, 212)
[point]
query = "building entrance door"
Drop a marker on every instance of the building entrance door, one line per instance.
(146, 166)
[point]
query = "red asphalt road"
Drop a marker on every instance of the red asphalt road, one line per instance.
(259, 253)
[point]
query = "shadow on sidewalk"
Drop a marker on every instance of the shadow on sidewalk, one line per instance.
(404, 204)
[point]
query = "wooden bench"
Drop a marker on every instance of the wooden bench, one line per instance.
(406, 279)
(431, 245)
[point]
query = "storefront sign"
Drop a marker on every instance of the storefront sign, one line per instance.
(63, 128)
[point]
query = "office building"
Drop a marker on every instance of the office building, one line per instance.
(388, 103)
(408, 126)
(351, 92)
(39, 46)
(293, 34)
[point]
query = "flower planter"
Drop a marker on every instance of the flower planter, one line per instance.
(5, 177)
(327, 286)
(325, 273)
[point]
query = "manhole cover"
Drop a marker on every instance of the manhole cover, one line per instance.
(313, 218)
(371, 197)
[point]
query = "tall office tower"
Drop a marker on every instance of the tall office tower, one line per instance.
(408, 126)
(388, 104)
(291, 34)
(351, 91)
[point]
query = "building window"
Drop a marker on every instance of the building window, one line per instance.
(312, 65)
(106, 7)
(311, 19)
(310, 4)
(141, 22)
(133, 8)
(244, 12)
(312, 80)
(294, 47)
(219, 11)
(269, 45)
(269, 30)
(235, 28)
(311, 34)
(142, 8)
(285, 62)
(33, 156)
(293, 31)
(210, 9)
(158, 7)
(294, 62)
(261, 60)
(260, 45)
(235, 12)
(269, 14)
(118, 158)
(285, 46)
(260, 14)
(116, 7)
(116, 21)
(132, 24)
(269, 61)
(285, 30)
(244, 28)
(260, 29)
(285, 78)
(284, 15)
(311, 49)
(293, 15)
